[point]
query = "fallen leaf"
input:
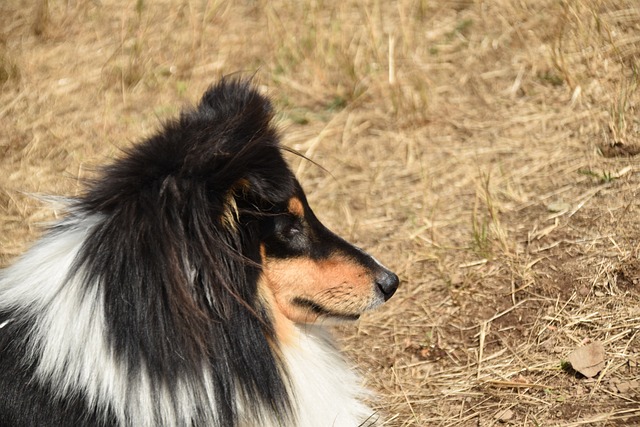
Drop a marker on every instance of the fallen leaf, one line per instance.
(588, 359)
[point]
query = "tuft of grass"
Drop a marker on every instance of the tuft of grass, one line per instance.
(566, 366)
(481, 243)
(589, 36)
(488, 234)
(337, 103)
(42, 18)
(181, 87)
(551, 77)
(623, 112)
(128, 65)
(604, 177)
(9, 70)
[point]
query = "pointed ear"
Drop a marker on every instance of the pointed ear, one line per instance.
(245, 114)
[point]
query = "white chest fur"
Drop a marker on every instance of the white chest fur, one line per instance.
(326, 392)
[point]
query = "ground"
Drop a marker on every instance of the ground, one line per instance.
(484, 150)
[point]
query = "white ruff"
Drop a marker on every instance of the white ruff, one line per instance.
(70, 338)
(326, 391)
(74, 356)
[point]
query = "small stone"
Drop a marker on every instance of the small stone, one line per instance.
(548, 345)
(559, 206)
(504, 415)
(624, 387)
(457, 279)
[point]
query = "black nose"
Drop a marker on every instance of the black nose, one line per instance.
(387, 282)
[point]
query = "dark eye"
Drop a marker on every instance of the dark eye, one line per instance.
(292, 230)
(288, 226)
(288, 236)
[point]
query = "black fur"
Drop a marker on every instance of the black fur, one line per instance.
(24, 402)
(173, 253)
(179, 281)
(173, 185)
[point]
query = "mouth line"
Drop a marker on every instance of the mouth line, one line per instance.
(320, 310)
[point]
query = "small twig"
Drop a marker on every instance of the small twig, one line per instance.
(515, 384)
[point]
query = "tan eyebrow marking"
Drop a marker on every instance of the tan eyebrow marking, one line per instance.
(296, 207)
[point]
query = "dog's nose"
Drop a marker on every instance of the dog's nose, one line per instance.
(387, 282)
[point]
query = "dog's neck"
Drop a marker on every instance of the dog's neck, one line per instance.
(325, 391)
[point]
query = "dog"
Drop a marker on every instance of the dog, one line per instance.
(190, 285)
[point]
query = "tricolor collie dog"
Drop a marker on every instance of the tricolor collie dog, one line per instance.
(188, 286)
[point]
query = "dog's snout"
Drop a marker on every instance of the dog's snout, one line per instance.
(387, 282)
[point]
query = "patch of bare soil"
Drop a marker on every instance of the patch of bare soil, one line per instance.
(619, 150)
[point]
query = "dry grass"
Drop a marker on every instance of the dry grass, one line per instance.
(484, 150)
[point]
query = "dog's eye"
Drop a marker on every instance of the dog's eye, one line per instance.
(292, 230)
(288, 227)
(288, 236)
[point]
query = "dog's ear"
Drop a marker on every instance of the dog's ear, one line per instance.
(239, 106)
(254, 169)
(243, 119)
(227, 144)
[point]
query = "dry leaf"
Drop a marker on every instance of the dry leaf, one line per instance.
(588, 359)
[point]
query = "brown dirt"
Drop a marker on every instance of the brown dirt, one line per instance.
(487, 151)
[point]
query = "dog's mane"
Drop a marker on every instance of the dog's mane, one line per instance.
(179, 237)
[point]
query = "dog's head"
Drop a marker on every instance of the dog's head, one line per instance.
(216, 180)
(309, 273)
(315, 275)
